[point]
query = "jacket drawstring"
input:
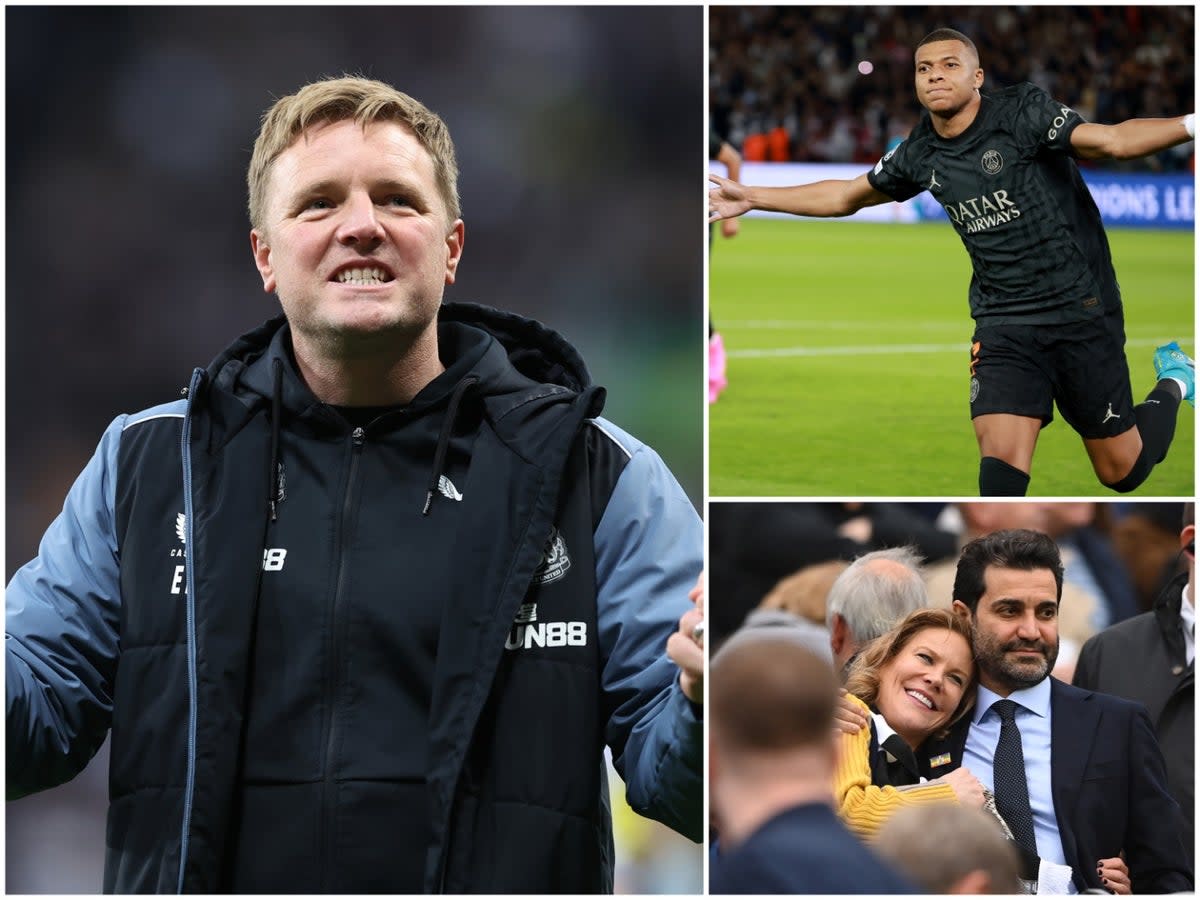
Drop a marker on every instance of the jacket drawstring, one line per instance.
(273, 474)
(443, 444)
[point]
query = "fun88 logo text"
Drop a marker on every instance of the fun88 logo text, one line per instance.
(546, 634)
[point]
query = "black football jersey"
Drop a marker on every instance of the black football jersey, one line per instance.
(1015, 196)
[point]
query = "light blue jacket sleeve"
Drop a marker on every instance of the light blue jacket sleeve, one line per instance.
(61, 635)
(649, 551)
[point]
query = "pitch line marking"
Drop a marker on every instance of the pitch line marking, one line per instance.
(728, 325)
(888, 349)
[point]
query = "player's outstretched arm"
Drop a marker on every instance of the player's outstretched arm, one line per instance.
(834, 197)
(1132, 138)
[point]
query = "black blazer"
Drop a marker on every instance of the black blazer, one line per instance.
(1108, 781)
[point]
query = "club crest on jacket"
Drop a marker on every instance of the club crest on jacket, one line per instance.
(555, 561)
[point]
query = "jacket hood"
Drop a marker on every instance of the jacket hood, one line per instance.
(503, 367)
(505, 353)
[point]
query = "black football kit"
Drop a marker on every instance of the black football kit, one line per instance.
(1040, 258)
(1049, 324)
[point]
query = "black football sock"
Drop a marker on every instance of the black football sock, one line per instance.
(1155, 418)
(998, 479)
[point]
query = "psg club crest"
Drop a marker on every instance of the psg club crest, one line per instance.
(992, 162)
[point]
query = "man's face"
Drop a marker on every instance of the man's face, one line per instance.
(948, 75)
(356, 240)
(1015, 628)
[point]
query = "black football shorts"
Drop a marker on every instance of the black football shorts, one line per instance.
(1026, 369)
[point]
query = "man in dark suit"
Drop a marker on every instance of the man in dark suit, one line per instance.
(1078, 776)
(1151, 659)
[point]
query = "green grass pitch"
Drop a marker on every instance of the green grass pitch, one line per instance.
(848, 353)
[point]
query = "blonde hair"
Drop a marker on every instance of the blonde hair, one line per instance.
(865, 672)
(336, 100)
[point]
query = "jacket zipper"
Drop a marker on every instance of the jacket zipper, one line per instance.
(190, 606)
(333, 683)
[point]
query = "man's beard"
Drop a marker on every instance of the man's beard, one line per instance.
(991, 655)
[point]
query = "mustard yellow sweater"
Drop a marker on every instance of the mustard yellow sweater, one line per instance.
(864, 807)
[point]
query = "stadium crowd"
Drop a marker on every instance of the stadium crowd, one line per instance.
(834, 84)
(936, 620)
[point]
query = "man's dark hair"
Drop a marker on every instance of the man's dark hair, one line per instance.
(949, 34)
(1016, 548)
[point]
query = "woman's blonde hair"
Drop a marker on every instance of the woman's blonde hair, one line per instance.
(865, 671)
(336, 100)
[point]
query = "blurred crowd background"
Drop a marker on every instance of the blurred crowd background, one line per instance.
(835, 84)
(130, 130)
(1117, 557)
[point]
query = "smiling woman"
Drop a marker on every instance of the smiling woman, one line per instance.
(912, 684)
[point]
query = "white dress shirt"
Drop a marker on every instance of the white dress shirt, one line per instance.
(1033, 720)
(1187, 621)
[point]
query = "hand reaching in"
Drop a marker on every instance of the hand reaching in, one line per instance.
(727, 200)
(686, 646)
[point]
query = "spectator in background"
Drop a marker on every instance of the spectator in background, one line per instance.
(950, 850)
(858, 601)
(723, 152)
(771, 762)
(779, 623)
(1151, 659)
(754, 147)
(754, 545)
(778, 141)
(875, 592)
(1090, 562)
(804, 593)
(1146, 538)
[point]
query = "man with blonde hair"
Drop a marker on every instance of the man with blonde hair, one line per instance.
(362, 610)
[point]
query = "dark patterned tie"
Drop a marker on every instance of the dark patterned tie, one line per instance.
(1008, 774)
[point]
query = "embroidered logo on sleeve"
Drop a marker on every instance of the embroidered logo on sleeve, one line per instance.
(886, 157)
